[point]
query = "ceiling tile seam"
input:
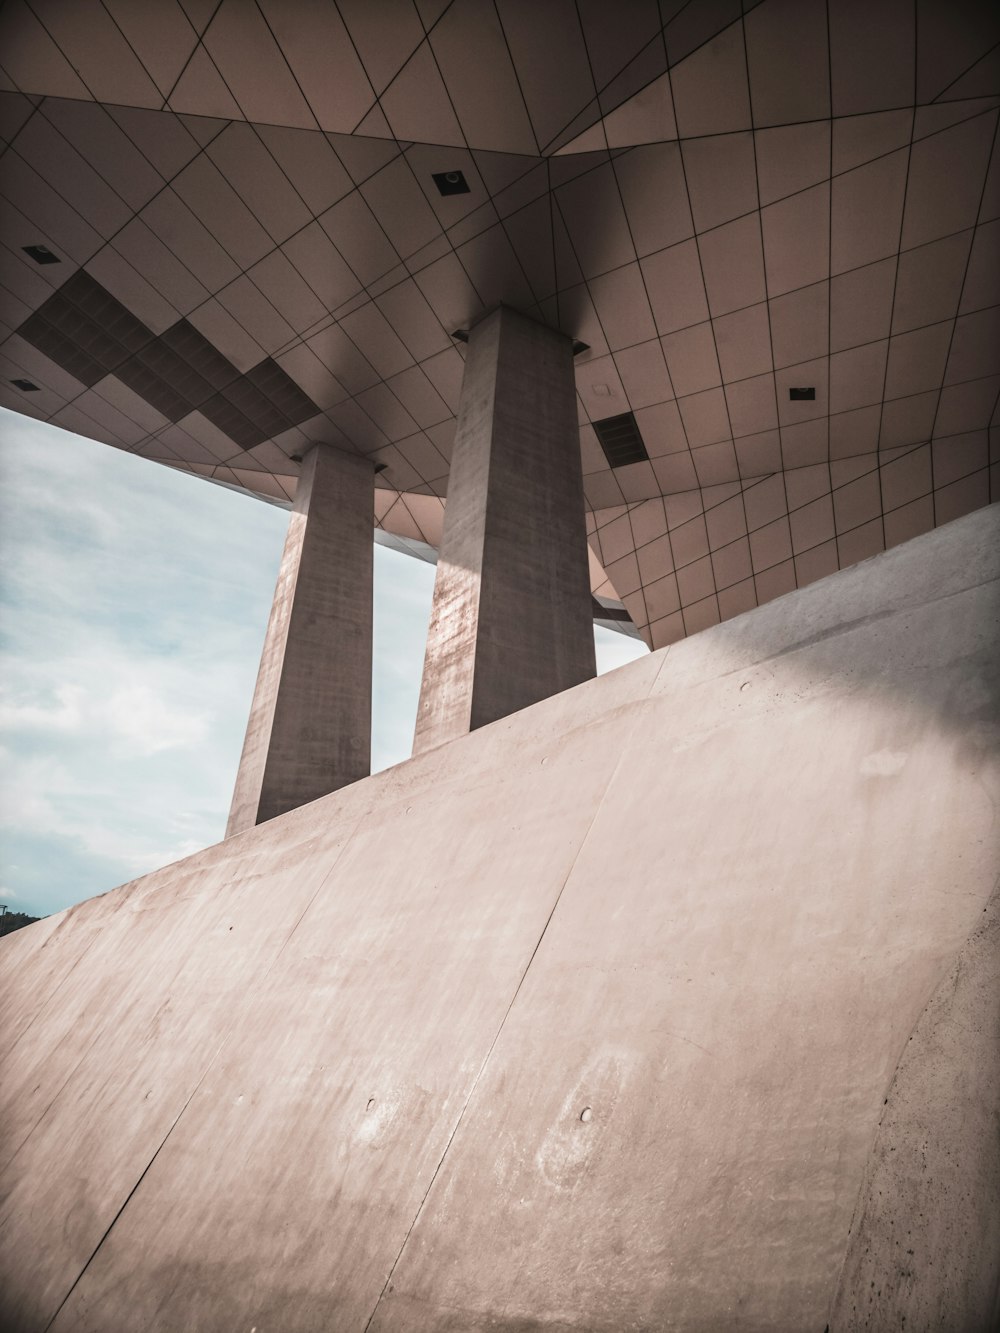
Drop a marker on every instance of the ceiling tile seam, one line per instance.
(295, 78)
(638, 265)
(708, 307)
(377, 97)
(797, 550)
(553, 146)
(517, 79)
(242, 271)
(968, 261)
(639, 269)
(597, 317)
(45, 28)
(810, 121)
(368, 76)
(468, 149)
(895, 288)
(694, 449)
(829, 251)
(148, 71)
(747, 485)
(9, 143)
(546, 148)
(327, 320)
(968, 70)
(135, 213)
(701, 271)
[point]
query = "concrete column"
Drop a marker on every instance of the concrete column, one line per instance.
(511, 621)
(310, 722)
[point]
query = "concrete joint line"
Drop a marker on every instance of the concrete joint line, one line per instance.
(205, 1073)
(626, 742)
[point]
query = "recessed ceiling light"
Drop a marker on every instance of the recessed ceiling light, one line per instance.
(41, 254)
(25, 385)
(450, 182)
(802, 395)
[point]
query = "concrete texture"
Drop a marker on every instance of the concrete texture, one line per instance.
(309, 731)
(511, 619)
(926, 1234)
(586, 1021)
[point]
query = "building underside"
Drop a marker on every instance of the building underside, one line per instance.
(664, 1000)
(232, 230)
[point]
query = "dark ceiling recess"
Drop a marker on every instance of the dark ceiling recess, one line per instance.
(41, 254)
(802, 395)
(621, 441)
(90, 334)
(25, 385)
(450, 182)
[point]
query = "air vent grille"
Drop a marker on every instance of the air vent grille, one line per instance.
(620, 440)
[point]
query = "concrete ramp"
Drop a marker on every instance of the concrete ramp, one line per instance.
(668, 1003)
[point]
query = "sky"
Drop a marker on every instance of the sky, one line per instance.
(133, 604)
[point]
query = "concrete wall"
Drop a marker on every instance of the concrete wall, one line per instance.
(598, 1018)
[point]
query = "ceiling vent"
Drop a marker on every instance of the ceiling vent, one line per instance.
(621, 441)
(802, 395)
(25, 386)
(41, 254)
(450, 182)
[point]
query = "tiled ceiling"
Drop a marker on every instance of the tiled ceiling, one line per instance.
(726, 202)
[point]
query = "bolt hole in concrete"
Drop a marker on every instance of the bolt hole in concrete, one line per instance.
(586, 1114)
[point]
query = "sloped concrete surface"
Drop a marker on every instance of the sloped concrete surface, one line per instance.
(926, 1236)
(585, 1021)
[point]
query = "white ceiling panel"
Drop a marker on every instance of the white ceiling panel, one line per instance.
(676, 287)
(721, 173)
(790, 158)
(102, 142)
(866, 212)
(691, 359)
(732, 260)
(33, 58)
(711, 95)
(324, 62)
(243, 48)
(946, 177)
(800, 324)
(161, 35)
(94, 45)
(643, 373)
(797, 240)
(871, 55)
(787, 89)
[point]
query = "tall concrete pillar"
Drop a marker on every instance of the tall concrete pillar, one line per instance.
(511, 621)
(310, 722)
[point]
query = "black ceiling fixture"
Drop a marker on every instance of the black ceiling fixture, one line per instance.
(450, 182)
(41, 254)
(621, 441)
(25, 385)
(802, 395)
